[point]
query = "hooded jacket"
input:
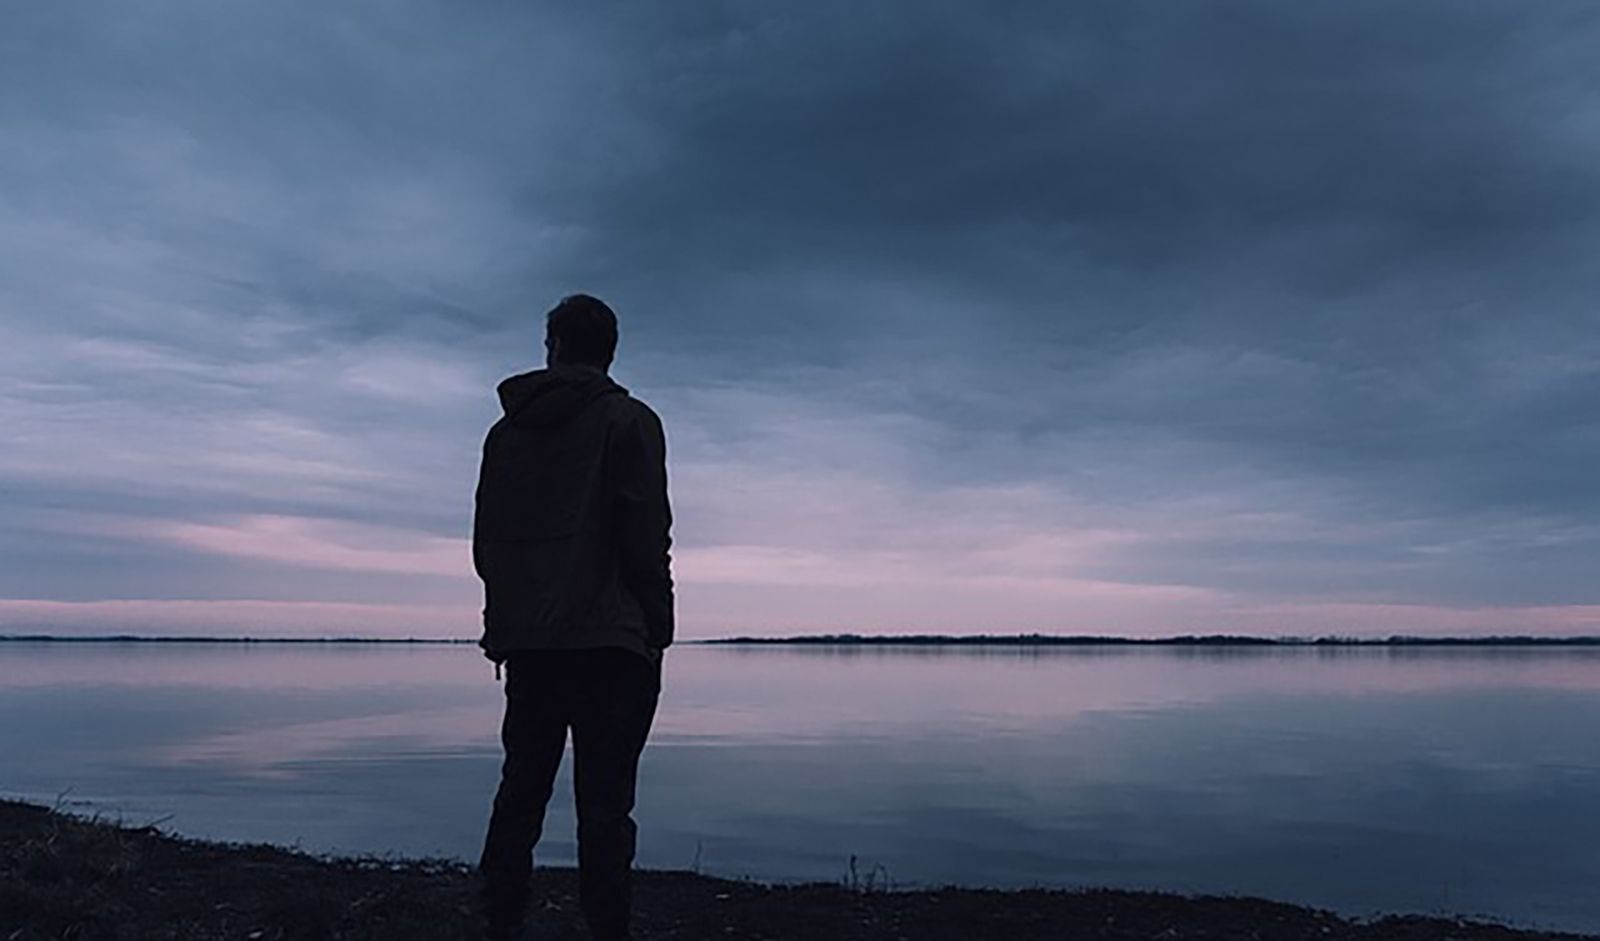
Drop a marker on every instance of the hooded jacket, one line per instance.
(571, 534)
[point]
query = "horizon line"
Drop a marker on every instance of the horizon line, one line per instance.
(885, 640)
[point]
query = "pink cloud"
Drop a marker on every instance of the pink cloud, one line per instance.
(237, 617)
(323, 544)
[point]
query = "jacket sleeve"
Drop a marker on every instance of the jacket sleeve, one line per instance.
(644, 521)
(480, 548)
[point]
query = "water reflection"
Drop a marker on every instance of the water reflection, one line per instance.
(1361, 779)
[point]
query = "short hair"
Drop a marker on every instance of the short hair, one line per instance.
(587, 329)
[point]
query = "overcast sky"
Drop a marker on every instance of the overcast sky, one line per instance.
(1125, 317)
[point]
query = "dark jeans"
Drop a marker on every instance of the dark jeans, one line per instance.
(607, 697)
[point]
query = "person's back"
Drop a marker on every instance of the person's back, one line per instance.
(571, 539)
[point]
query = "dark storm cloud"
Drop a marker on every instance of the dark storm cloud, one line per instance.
(1144, 124)
(1328, 213)
(1293, 299)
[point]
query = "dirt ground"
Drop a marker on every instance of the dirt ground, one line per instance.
(62, 877)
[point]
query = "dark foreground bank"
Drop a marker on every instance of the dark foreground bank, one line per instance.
(63, 877)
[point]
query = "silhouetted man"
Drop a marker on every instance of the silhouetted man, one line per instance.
(571, 539)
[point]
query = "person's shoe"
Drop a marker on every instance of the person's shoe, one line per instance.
(503, 932)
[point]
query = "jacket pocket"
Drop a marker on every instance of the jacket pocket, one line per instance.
(526, 590)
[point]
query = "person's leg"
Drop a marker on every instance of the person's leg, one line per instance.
(534, 733)
(612, 711)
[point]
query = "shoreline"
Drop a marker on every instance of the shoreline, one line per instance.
(67, 876)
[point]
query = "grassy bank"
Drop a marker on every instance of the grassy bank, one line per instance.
(63, 877)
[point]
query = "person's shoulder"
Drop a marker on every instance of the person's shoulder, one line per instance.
(634, 409)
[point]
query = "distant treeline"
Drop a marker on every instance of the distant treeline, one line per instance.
(1185, 640)
(902, 640)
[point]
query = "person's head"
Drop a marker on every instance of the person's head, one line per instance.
(581, 330)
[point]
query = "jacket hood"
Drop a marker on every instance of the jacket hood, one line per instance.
(547, 397)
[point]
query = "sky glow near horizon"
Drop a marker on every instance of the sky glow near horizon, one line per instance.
(1120, 318)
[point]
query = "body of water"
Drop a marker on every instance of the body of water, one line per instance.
(1457, 780)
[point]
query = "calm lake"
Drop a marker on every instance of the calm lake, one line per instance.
(1457, 780)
